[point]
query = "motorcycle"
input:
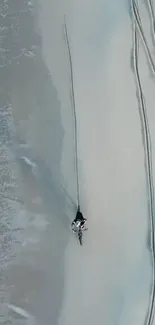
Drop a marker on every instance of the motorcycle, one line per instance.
(79, 231)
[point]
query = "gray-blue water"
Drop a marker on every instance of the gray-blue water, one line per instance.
(33, 230)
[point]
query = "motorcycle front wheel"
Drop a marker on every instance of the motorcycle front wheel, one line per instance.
(80, 236)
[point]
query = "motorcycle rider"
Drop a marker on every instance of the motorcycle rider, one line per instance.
(79, 221)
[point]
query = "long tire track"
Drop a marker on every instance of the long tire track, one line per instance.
(74, 112)
(142, 36)
(148, 167)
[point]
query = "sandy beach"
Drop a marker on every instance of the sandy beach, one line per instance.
(46, 276)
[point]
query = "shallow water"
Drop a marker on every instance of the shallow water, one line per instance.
(34, 226)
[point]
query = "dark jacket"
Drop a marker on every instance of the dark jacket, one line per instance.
(79, 216)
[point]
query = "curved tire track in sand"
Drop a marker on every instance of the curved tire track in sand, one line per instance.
(136, 18)
(147, 150)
